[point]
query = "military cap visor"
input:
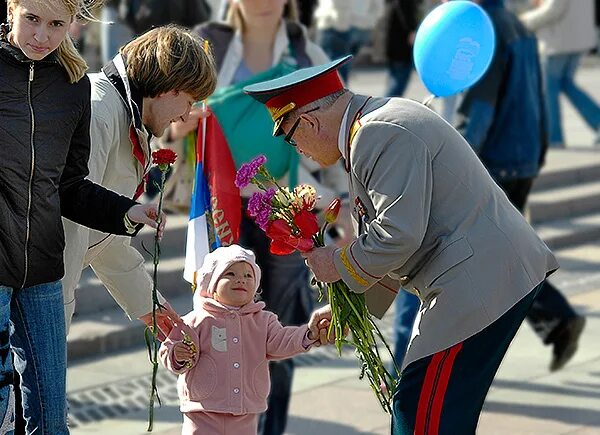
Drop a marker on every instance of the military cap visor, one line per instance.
(297, 89)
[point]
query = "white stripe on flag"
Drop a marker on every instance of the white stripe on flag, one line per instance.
(196, 247)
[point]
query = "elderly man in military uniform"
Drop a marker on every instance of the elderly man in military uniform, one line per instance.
(428, 218)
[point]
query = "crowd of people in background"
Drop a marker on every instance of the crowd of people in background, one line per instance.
(253, 41)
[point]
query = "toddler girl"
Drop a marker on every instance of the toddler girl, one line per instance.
(222, 348)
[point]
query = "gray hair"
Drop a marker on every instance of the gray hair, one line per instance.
(322, 103)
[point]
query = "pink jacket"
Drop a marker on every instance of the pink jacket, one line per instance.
(231, 373)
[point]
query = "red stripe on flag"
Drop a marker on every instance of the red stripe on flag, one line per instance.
(440, 389)
(426, 392)
(220, 172)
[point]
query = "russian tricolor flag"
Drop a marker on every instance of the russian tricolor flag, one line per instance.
(215, 210)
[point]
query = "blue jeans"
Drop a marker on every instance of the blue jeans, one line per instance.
(406, 308)
(399, 74)
(338, 44)
(559, 76)
(32, 326)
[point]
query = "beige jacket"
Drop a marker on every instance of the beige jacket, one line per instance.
(563, 26)
(117, 264)
(428, 214)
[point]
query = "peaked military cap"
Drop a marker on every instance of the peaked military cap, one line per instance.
(297, 89)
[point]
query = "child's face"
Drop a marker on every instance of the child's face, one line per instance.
(236, 285)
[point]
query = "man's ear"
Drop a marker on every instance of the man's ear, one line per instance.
(312, 121)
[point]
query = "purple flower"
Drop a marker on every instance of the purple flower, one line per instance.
(244, 175)
(258, 161)
(259, 207)
(248, 171)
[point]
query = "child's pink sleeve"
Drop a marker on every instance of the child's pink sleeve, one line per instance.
(180, 332)
(286, 341)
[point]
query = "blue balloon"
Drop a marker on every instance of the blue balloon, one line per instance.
(454, 47)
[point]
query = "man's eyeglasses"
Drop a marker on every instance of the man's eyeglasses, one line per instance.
(288, 137)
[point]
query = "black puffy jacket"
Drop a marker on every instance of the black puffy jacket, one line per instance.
(44, 151)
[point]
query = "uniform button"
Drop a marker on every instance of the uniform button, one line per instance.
(236, 365)
(235, 339)
(236, 390)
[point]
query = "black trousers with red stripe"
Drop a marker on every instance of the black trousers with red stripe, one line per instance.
(444, 393)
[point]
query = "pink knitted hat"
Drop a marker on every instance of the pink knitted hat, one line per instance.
(216, 262)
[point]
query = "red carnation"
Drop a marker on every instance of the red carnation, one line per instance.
(164, 157)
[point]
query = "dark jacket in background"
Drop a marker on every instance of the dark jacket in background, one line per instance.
(504, 115)
(401, 17)
(44, 151)
(142, 15)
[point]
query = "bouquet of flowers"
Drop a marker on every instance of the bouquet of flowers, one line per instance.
(285, 216)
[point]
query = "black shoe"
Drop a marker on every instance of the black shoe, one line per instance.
(565, 343)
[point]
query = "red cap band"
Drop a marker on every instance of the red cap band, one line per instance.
(308, 91)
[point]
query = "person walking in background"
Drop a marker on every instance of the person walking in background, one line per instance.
(152, 81)
(344, 27)
(45, 123)
(428, 216)
(504, 121)
(220, 349)
(401, 19)
(565, 30)
(114, 31)
(261, 40)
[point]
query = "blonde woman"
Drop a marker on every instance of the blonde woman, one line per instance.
(44, 124)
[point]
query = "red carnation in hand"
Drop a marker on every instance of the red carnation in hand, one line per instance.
(163, 158)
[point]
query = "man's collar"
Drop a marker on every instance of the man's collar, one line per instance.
(116, 72)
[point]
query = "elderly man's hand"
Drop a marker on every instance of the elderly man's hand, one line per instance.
(320, 261)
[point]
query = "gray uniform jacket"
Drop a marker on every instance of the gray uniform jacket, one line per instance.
(430, 218)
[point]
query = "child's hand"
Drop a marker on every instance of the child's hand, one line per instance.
(185, 353)
(323, 328)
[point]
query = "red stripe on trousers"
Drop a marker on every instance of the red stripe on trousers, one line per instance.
(435, 384)
(440, 391)
(426, 392)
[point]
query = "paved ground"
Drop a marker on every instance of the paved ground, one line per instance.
(108, 394)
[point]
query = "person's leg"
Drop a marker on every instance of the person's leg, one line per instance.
(585, 105)
(40, 349)
(398, 74)
(113, 33)
(335, 45)
(444, 393)
(553, 74)
(7, 423)
(406, 307)
(551, 316)
(274, 420)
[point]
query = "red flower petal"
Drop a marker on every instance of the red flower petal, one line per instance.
(280, 247)
(307, 223)
(164, 156)
(278, 229)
